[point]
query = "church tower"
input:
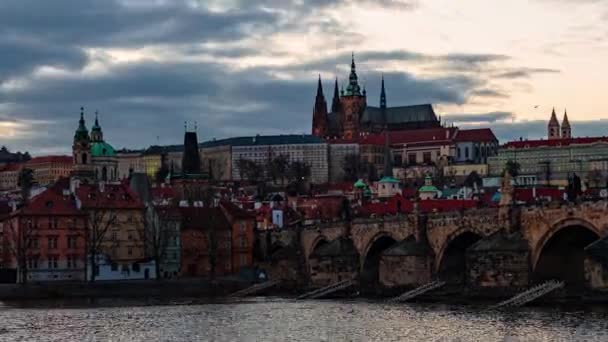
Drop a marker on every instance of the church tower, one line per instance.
(553, 129)
(353, 104)
(319, 115)
(335, 103)
(566, 130)
(81, 152)
(96, 133)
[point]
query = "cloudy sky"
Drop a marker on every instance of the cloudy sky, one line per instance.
(242, 67)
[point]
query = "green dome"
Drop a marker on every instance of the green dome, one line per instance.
(102, 149)
(388, 180)
(360, 184)
(428, 188)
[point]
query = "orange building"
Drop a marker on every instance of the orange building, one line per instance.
(45, 241)
(49, 169)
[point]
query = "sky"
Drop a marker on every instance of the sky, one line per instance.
(242, 67)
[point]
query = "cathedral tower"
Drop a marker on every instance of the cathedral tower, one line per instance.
(553, 129)
(353, 104)
(319, 115)
(566, 130)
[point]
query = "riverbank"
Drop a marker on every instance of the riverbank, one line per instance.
(122, 289)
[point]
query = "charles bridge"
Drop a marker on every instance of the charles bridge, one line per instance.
(488, 248)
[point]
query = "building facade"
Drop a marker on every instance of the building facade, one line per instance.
(338, 152)
(47, 170)
(46, 239)
(129, 162)
(9, 177)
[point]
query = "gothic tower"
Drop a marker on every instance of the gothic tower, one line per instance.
(81, 152)
(353, 104)
(566, 130)
(553, 131)
(335, 103)
(319, 115)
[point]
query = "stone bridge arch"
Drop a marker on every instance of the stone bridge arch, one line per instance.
(539, 241)
(310, 237)
(457, 235)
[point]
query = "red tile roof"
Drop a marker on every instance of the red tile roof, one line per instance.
(441, 135)
(407, 206)
(114, 196)
(53, 202)
(11, 168)
(475, 135)
(51, 159)
(526, 194)
(555, 142)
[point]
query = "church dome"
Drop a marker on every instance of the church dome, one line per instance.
(102, 149)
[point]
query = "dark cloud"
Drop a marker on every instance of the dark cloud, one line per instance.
(488, 93)
(524, 73)
(491, 117)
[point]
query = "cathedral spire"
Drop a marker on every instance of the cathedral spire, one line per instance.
(81, 132)
(353, 88)
(319, 88)
(553, 129)
(566, 130)
(335, 103)
(382, 95)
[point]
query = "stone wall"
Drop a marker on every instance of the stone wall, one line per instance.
(405, 271)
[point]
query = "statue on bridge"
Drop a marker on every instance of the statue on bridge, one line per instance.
(506, 189)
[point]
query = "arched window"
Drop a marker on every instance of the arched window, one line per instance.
(104, 174)
(84, 158)
(466, 152)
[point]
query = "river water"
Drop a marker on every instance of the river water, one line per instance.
(276, 319)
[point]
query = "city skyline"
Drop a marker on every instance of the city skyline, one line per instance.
(240, 69)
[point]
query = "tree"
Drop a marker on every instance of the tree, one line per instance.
(161, 174)
(352, 167)
(26, 182)
(473, 179)
(21, 241)
(250, 170)
(157, 232)
(278, 168)
(594, 178)
(99, 222)
(299, 172)
(513, 168)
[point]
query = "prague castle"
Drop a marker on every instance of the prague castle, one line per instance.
(351, 116)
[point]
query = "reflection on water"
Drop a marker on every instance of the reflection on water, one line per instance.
(277, 319)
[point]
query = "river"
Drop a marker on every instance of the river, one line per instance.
(277, 319)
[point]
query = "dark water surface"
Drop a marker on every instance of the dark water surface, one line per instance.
(276, 319)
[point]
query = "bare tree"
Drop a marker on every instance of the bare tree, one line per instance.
(22, 243)
(352, 167)
(278, 168)
(159, 229)
(99, 222)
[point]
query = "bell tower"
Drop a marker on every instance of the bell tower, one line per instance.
(566, 129)
(553, 129)
(81, 152)
(353, 103)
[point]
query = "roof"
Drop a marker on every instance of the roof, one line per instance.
(428, 188)
(413, 137)
(403, 114)
(360, 184)
(502, 241)
(399, 203)
(339, 247)
(197, 218)
(408, 247)
(555, 142)
(113, 196)
(388, 180)
(235, 211)
(53, 202)
(11, 168)
(262, 140)
(51, 159)
(475, 135)
(102, 149)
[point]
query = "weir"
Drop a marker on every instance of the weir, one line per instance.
(324, 291)
(255, 288)
(418, 291)
(531, 294)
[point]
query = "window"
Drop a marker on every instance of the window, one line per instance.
(32, 263)
(458, 153)
(243, 260)
(114, 236)
(52, 262)
(72, 241)
(411, 159)
(130, 236)
(114, 267)
(426, 157)
(130, 251)
(466, 152)
(32, 242)
(243, 227)
(72, 261)
(52, 242)
(243, 242)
